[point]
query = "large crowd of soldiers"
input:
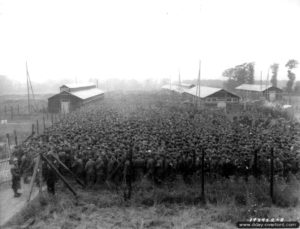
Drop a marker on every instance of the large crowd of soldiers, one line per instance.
(134, 136)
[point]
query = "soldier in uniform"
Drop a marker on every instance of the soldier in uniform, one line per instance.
(16, 177)
(100, 170)
(78, 168)
(50, 177)
(25, 168)
(127, 175)
(150, 166)
(159, 171)
(90, 172)
(139, 166)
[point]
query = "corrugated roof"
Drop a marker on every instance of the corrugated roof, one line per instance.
(85, 94)
(78, 85)
(204, 91)
(253, 87)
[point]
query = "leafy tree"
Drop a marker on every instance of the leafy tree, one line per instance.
(297, 88)
(274, 69)
(291, 64)
(240, 74)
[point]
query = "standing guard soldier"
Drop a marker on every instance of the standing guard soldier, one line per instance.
(150, 168)
(16, 177)
(25, 167)
(90, 171)
(100, 170)
(127, 175)
(139, 166)
(50, 177)
(78, 168)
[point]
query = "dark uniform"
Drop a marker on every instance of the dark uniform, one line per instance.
(50, 177)
(139, 167)
(127, 176)
(90, 172)
(16, 178)
(150, 168)
(100, 171)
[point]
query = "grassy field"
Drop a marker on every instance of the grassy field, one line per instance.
(175, 206)
(20, 121)
(23, 126)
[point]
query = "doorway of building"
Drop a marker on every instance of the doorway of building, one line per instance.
(65, 107)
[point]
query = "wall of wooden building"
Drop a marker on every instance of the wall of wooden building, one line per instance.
(54, 103)
(214, 99)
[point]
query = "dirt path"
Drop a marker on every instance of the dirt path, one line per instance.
(9, 205)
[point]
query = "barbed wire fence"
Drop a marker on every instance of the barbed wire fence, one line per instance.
(11, 140)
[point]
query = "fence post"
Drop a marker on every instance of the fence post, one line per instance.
(52, 119)
(8, 144)
(16, 137)
(37, 127)
(11, 113)
(203, 176)
(272, 175)
(40, 177)
(32, 129)
(44, 124)
(36, 166)
(255, 163)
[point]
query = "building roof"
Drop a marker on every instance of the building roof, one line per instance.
(204, 91)
(85, 94)
(253, 87)
(78, 85)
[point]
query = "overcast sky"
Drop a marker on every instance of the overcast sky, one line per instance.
(142, 39)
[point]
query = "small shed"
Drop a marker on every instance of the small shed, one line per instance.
(257, 91)
(73, 96)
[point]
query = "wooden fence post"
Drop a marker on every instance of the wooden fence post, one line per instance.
(255, 163)
(16, 137)
(37, 127)
(52, 119)
(32, 129)
(8, 144)
(36, 166)
(11, 113)
(272, 175)
(203, 176)
(40, 177)
(59, 174)
(44, 124)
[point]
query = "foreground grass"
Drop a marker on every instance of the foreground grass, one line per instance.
(167, 206)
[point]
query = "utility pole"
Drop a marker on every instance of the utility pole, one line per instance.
(179, 81)
(198, 98)
(267, 84)
(261, 81)
(28, 98)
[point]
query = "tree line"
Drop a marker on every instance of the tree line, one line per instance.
(244, 74)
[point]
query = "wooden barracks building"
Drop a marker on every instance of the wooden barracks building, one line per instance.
(73, 96)
(210, 96)
(255, 92)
